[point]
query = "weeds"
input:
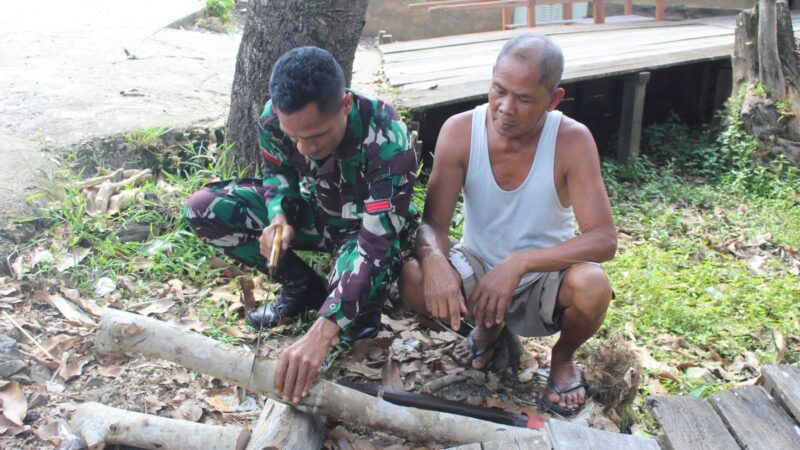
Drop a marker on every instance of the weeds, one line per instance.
(142, 138)
(221, 9)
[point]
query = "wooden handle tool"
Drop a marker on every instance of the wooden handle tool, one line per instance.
(275, 254)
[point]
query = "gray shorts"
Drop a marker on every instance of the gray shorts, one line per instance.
(531, 311)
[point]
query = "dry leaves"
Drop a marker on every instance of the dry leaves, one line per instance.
(159, 307)
(15, 407)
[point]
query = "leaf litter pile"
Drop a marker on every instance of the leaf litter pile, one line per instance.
(118, 241)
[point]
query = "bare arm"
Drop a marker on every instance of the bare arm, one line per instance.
(442, 285)
(579, 182)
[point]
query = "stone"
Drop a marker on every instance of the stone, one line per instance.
(8, 368)
(8, 348)
(40, 374)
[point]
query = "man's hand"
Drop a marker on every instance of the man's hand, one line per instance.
(442, 290)
(300, 362)
(490, 298)
(268, 235)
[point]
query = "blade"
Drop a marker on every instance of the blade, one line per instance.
(274, 256)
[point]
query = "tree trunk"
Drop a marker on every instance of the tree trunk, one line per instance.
(274, 27)
(765, 71)
(100, 425)
(123, 332)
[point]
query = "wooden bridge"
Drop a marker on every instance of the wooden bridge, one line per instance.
(751, 417)
(451, 70)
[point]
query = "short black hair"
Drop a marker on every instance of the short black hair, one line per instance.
(542, 51)
(304, 75)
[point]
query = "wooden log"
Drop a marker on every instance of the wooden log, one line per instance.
(783, 382)
(689, 423)
(281, 426)
(123, 332)
(769, 63)
(755, 419)
(100, 425)
(660, 12)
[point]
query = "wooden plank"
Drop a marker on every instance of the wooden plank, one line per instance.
(630, 124)
(550, 30)
(425, 5)
(481, 5)
(568, 436)
(755, 419)
(690, 423)
(783, 382)
(515, 444)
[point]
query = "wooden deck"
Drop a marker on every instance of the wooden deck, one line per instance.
(752, 417)
(453, 69)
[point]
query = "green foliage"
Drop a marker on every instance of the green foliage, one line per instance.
(699, 193)
(221, 9)
(142, 138)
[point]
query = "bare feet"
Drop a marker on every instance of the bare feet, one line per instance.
(566, 387)
(478, 349)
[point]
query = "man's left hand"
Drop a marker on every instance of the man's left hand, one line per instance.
(489, 299)
(300, 362)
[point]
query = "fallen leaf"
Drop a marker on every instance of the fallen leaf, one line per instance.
(58, 344)
(176, 286)
(661, 369)
(72, 258)
(159, 307)
(88, 306)
(601, 421)
(444, 336)
(236, 332)
(390, 375)
(191, 324)
(110, 371)
(411, 367)
(70, 311)
(398, 325)
(361, 370)
(15, 407)
(751, 362)
(104, 286)
(188, 410)
(72, 365)
(755, 264)
(780, 346)
(231, 403)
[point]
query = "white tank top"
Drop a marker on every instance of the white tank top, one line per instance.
(498, 222)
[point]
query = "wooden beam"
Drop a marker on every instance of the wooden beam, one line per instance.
(660, 15)
(281, 426)
(508, 17)
(630, 123)
(755, 419)
(628, 7)
(100, 425)
(599, 11)
(783, 382)
(566, 11)
(690, 423)
(531, 13)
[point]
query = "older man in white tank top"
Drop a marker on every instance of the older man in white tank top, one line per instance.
(527, 173)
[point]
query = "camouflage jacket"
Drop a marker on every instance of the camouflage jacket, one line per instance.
(363, 191)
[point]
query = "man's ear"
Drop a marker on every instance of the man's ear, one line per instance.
(558, 95)
(347, 104)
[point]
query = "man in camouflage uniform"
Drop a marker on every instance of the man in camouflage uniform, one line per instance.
(338, 175)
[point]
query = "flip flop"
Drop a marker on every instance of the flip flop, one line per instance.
(565, 412)
(477, 352)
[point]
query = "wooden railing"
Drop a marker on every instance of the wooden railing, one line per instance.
(507, 6)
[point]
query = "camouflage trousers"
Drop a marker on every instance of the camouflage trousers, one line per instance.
(232, 214)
